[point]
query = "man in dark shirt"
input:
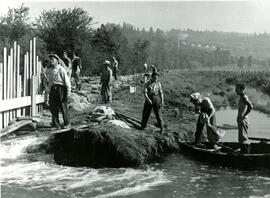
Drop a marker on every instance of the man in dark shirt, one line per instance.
(105, 81)
(115, 68)
(153, 100)
(76, 70)
(67, 62)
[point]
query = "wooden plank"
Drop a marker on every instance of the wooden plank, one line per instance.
(9, 87)
(19, 113)
(5, 85)
(5, 74)
(259, 139)
(27, 110)
(14, 74)
(8, 77)
(15, 103)
(11, 93)
(14, 127)
(24, 82)
(18, 72)
(34, 57)
(18, 79)
(14, 80)
(33, 95)
(31, 59)
(1, 93)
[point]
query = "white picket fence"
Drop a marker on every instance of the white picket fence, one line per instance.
(20, 91)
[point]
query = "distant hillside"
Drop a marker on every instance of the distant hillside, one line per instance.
(239, 44)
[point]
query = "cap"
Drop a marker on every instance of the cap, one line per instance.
(195, 96)
(106, 62)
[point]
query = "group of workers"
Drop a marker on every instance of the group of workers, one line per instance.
(56, 77)
(203, 106)
(60, 87)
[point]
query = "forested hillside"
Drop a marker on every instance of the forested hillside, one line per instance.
(72, 30)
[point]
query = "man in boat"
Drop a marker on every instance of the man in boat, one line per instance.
(244, 108)
(207, 116)
(106, 81)
(153, 99)
(60, 89)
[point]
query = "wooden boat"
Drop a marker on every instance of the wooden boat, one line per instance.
(226, 155)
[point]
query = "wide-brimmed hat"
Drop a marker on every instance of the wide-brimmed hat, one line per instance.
(195, 96)
(54, 56)
(106, 62)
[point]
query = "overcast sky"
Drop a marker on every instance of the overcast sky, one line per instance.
(233, 16)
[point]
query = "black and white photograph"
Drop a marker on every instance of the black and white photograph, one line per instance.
(134, 99)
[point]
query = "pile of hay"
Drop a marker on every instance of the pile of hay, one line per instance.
(111, 146)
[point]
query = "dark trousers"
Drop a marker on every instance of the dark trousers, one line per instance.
(199, 128)
(58, 101)
(76, 75)
(115, 73)
(147, 111)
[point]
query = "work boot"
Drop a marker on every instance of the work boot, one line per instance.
(66, 126)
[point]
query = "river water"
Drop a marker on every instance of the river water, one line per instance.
(37, 176)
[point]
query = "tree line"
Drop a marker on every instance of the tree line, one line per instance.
(71, 30)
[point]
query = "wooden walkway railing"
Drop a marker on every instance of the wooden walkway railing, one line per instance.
(20, 91)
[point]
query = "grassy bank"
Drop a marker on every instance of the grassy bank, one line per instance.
(177, 87)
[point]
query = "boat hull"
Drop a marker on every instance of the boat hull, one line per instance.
(258, 158)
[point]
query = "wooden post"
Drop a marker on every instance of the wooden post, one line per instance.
(31, 60)
(27, 81)
(4, 82)
(18, 71)
(14, 74)
(18, 79)
(1, 93)
(33, 95)
(34, 57)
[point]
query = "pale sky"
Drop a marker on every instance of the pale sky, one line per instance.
(229, 16)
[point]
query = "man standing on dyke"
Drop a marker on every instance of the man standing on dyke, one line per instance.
(76, 70)
(67, 63)
(60, 89)
(115, 68)
(154, 99)
(105, 81)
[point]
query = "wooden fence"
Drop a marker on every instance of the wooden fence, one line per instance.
(20, 91)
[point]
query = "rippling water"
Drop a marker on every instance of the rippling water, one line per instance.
(37, 176)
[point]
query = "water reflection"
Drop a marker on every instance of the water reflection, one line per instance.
(259, 124)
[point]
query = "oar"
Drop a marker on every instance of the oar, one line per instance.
(232, 151)
(259, 139)
(133, 119)
(127, 120)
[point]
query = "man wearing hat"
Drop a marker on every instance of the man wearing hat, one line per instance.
(205, 108)
(105, 81)
(60, 89)
(153, 99)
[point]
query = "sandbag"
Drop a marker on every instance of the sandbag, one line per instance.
(214, 134)
(101, 112)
